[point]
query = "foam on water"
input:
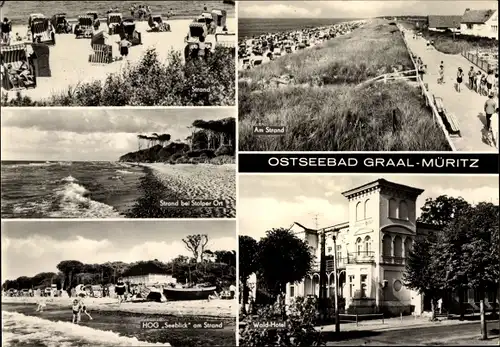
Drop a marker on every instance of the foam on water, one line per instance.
(125, 172)
(74, 201)
(19, 329)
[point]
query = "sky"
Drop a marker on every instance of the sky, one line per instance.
(31, 247)
(91, 134)
(277, 201)
(356, 9)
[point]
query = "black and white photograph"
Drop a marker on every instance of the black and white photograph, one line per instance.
(118, 283)
(118, 53)
(113, 163)
(368, 260)
(368, 76)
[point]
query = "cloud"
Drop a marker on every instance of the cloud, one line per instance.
(257, 215)
(29, 256)
(82, 123)
(354, 9)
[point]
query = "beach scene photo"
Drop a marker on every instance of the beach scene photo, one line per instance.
(95, 283)
(368, 76)
(118, 53)
(118, 163)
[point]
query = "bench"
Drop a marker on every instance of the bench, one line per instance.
(453, 126)
(439, 104)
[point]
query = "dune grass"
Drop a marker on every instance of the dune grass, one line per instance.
(340, 116)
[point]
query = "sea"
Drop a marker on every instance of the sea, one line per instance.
(34, 189)
(248, 27)
(24, 330)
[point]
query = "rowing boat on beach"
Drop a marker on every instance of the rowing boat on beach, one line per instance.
(175, 294)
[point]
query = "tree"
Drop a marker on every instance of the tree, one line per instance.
(247, 253)
(69, 268)
(442, 210)
(196, 244)
(226, 257)
(283, 258)
(420, 273)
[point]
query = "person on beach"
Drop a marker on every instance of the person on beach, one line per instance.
(441, 74)
(83, 309)
(472, 73)
(124, 47)
(477, 82)
(6, 29)
(41, 304)
(120, 290)
(460, 77)
(482, 88)
(490, 108)
(490, 79)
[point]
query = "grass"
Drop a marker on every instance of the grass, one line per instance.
(151, 82)
(339, 116)
(445, 42)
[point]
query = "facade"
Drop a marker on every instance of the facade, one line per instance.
(444, 23)
(371, 250)
(150, 279)
(481, 23)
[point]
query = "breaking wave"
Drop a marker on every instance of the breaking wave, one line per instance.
(74, 201)
(21, 330)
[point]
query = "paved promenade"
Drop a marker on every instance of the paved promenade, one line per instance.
(467, 106)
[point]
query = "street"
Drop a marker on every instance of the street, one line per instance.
(462, 334)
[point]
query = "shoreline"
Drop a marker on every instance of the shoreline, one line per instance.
(200, 308)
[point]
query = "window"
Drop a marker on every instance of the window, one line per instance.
(393, 208)
(339, 257)
(403, 210)
(494, 28)
(359, 246)
(329, 250)
(367, 209)
(387, 246)
(363, 285)
(359, 211)
(398, 246)
(469, 26)
(368, 245)
(292, 291)
(397, 285)
(351, 285)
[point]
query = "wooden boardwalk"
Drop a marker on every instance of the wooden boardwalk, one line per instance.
(467, 106)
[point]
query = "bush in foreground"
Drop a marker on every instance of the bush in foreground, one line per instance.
(300, 328)
(151, 82)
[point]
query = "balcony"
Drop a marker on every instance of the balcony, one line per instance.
(362, 257)
(387, 259)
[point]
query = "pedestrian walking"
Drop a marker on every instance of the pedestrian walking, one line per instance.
(472, 73)
(460, 77)
(441, 74)
(490, 108)
(490, 80)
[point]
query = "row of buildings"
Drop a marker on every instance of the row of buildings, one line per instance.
(480, 23)
(371, 249)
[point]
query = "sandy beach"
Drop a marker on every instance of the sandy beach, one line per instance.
(213, 308)
(69, 57)
(200, 182)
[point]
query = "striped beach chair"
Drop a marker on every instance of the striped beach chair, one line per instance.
(103, 54)
(14, 56)
(42, 31)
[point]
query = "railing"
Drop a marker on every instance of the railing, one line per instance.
(387, 259)
(429, 101)
(356, 318)
(483, 64)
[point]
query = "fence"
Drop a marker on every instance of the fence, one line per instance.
(429, 100)
(356, 318)
(478, 60)
(103, 54)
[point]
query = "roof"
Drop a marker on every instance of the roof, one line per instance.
(445, 21)
(379, 184)
(477, 16)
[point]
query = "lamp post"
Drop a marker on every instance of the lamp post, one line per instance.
(322, 277)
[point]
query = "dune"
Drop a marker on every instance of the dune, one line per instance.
(213, 308)
(69, 57)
